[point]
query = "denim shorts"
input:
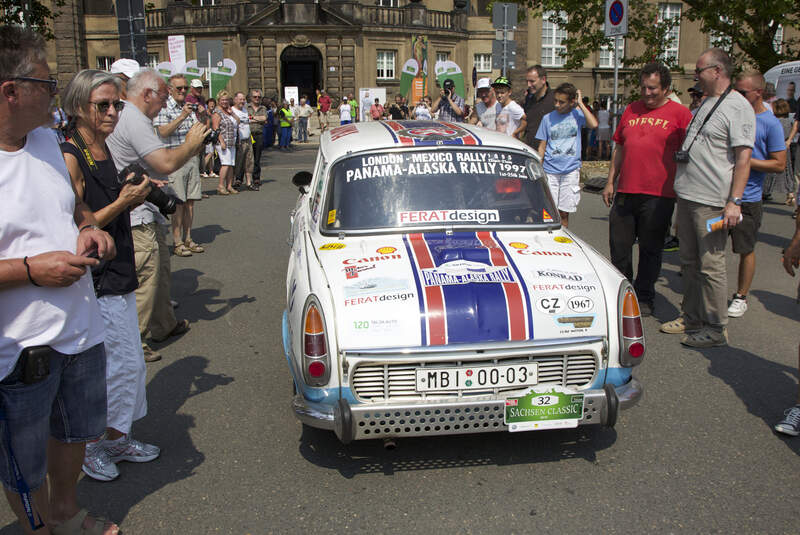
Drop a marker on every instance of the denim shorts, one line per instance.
(68, 405)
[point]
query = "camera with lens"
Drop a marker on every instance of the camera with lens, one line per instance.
(193, 106)
(212, 137)
(166, 204)
(681, 156)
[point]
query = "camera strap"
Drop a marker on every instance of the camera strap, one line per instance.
(713, 109)
(87, 154)
(22, 488)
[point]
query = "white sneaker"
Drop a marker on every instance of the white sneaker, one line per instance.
(97, 464)
(737, 307)
(790, 425)
(128, 449)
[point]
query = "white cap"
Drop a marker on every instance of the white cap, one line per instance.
(484, 83)
(196, 83)
(125, 66)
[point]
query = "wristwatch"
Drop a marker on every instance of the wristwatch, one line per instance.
(735, 200)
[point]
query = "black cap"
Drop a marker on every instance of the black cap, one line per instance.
(696, 89)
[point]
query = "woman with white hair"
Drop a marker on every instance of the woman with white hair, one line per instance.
(92, 100)
(225, 121)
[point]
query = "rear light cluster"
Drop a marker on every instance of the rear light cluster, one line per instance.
(631, 333)
(507, 185)
(316, 362)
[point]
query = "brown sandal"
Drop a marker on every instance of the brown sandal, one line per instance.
(193, 247)
(222, 191)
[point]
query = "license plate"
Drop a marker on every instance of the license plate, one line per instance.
(544, 408)
(476, 377)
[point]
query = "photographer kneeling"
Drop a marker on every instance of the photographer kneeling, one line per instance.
(135, 141)
(92, 101)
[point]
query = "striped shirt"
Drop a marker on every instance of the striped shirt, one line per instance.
(168, 114)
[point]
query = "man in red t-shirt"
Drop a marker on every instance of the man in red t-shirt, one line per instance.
(643, 167)
(324, 104)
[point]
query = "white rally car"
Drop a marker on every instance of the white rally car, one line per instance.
(431, 290)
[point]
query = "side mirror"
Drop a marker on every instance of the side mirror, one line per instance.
(302, 180)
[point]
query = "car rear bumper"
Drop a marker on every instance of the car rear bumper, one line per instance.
(376, 420)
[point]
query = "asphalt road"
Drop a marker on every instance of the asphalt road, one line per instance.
(697, 455)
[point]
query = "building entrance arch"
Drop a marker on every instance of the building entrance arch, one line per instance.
(302, 67)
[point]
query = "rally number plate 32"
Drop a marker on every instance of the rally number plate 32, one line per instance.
(476, 377)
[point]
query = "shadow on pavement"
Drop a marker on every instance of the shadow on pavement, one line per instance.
(766, 388)
(207, 233)
(323, 449)
(164, 426)
(780, 304)
(204, 304)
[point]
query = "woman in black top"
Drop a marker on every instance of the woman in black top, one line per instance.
(93, 103)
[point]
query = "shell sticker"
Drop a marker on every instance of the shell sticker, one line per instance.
(562, 239)
(332, 246)
(518, 245)
(385, 250)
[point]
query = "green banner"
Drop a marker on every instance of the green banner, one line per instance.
(544, 409)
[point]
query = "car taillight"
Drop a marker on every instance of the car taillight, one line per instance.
(631, 333)
(316, 363)
(507, 185)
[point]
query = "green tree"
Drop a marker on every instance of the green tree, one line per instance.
(31, 13)
(747, 29)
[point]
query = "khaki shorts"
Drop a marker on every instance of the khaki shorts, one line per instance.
(186, 181)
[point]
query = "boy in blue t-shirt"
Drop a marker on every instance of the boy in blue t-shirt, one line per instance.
(769, 156)
(559, 138)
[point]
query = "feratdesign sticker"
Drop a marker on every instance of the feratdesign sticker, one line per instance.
(481, 217)
(332, 246)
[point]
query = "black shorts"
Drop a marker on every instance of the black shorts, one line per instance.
(745, 235)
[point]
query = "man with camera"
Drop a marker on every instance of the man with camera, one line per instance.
(449, 105)
(172, 123)
(52, 359)
(135, 141)
(712, 171)
(640, 189)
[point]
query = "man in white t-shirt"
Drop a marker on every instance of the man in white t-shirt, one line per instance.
(511, 118)
(344, 112)
(52, 361)
(486, 108)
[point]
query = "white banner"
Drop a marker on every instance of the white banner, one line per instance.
(177, 51)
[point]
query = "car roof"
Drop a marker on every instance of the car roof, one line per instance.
(381, 135)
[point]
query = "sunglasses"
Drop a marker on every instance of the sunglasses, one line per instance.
(180, 87)
(104, 105)
(698, 71)
(52, 84)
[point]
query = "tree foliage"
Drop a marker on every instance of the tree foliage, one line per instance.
(746, 28)
(31, 13)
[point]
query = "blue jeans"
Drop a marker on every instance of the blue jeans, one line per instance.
(286, 136)
(68, 405)
(302, 134)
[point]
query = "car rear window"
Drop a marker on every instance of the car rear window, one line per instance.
(437, 187)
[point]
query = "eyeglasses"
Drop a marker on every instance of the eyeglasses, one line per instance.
(53, 84)
(103, 105)
(698, 71)
(181, 88)
(160, 95)
(256, 96)
(744, 91)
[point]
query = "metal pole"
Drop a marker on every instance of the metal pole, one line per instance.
(130, 28)
(208, 70)
(505, 39)
(616, 82)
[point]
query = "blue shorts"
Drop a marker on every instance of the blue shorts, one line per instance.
(68, 405)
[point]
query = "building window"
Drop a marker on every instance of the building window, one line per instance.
(442, 56)
(777, 41)
(152, 60)
(483, 62)
(673, 37)
(104, 62)
(606, 58)
(388, 3)
(207, 2)
(386, 64)
(553, 51)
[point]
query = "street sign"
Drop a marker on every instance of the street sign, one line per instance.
(616, 18)
(209, 50)
(504, 15)
(510, 54)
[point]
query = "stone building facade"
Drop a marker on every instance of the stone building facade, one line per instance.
(341, 45)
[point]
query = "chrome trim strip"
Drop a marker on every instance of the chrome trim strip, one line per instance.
(629, 394)
(313, 414)
(483, 347)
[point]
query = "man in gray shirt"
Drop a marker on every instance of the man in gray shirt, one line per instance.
(134, 140)
(713, 167)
